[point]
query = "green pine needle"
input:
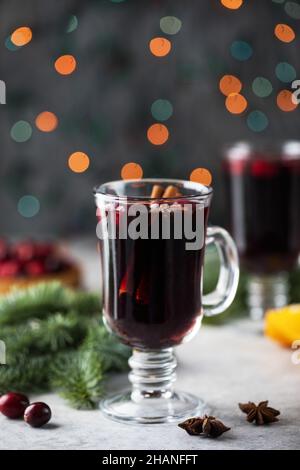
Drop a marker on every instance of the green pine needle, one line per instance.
(79, 379)
(44, 299)
(35, 302)
(114, 355)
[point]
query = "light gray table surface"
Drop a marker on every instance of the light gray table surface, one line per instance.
(223, 364)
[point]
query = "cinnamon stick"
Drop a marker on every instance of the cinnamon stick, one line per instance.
(157, 191)
(170, 191)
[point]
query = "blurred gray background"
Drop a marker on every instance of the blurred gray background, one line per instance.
(104, 107)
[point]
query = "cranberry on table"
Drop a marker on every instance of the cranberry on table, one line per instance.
(13, 405)
(37, 414)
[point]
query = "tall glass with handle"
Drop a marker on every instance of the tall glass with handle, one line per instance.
(152, 238)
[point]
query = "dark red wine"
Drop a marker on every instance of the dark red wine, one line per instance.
(152, 287)
(263, 197)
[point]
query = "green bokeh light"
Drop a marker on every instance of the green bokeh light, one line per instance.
(262, 87)
(161, 110)
(28, 206)
(241, 50)
(293, 10)
(73, 24)
(21, 131)
(257, 121)
(10, 45)
(170, 25)
(285, 72)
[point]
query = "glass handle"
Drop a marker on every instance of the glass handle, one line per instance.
(222, 297)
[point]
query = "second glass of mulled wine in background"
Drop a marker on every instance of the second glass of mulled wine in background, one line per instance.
(263, 200)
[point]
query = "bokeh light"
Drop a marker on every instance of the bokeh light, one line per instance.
(28, 206)
(10, 46)
(161, 110)
(293, 10)
(230, 84)
(160, 47)
(46, 121)
(158, 134)
(232, 4)
(72, 24)
(78, 162)
(285, 101)
(132, 171)
(170, 25)
(285, 72)
(257, 121)
(21, 131)
(21, 36)
(65, 64)
(201, 175)
(262, 87)
(236, 103)
(241, 50)
(284, 33)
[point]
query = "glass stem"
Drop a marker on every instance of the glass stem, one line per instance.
(152, 374)
(266, 292)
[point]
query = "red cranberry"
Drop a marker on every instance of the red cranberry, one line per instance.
(13, 405)
(10, 268)
(37, 414)
(34, 268)
(24, 251)
(43, 250)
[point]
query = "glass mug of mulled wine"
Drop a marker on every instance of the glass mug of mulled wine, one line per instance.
(263, 197)
(152, 236)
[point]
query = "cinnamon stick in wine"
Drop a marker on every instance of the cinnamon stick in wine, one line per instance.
(157, 191)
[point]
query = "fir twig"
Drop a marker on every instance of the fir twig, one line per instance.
(79, 379)
(114, 355)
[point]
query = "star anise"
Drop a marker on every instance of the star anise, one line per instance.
(261, 413)
(192, 426)
(207, 426)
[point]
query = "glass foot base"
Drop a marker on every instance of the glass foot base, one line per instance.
(149, 410)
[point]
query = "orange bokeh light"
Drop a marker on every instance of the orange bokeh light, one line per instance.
(46, 121)
(201, 175)
(132, 171)
(284, 33)
(21, 36)
(79, 162)
(160, 47)
(232, 4)
(285, 101)
(236, 103)
(230, 84)
(65, 64)
(158, 134)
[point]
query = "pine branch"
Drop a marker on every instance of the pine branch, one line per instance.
(114, 355)
(44, 299)
(50, 335)
(25, 374)
(85, 303)
(79, 379)
(35, 302)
